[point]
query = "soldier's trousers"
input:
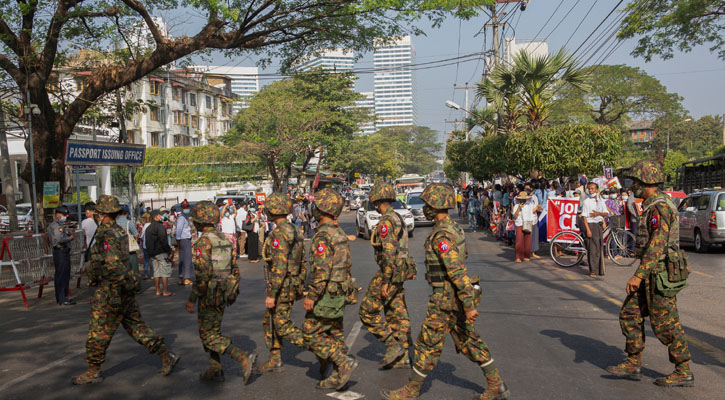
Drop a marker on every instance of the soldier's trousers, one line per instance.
(664, 319)
(105, 319)
(278, 325)
(325, 337)
(210, 323)
(438, 323)
(396, 322)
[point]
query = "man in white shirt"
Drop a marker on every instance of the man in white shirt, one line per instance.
(88, 225)
(241, 234)
(593, 212)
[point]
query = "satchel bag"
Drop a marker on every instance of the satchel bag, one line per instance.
(87, 253)
(527, 227)
(247, 225)
(132, 243)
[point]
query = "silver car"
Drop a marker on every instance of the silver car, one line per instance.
(368, 217)
(415, 205)
(25, 218)
(702, 219)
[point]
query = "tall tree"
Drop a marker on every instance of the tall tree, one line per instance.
(665, 25)
(38, 36)
(416, 147)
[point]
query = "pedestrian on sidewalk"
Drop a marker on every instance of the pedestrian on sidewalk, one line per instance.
(228, 224)
(241, 233)
(524, 216)
(183, 238)
(157, 246)
(132, 233)
(61, 237)
(594, 210)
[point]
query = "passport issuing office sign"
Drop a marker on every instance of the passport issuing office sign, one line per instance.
(84, 152)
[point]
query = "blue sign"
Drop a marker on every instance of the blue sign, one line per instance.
(82, 152)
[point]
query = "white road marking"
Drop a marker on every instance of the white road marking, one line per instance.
(40, 370)
(353, 335)
(348, 395)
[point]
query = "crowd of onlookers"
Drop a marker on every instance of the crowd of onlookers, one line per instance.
(512, 212)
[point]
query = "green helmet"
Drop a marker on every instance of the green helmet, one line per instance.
(649, 172)
(205, 212)
(278, 204)
(328, 201)
(108, 204)
(382, 191)
(439, 196)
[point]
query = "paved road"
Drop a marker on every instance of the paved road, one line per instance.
(552, 332)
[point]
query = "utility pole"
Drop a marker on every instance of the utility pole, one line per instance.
(7, 175)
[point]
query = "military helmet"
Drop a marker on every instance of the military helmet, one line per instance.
(328, 201)
(439, 196)
(205, 212)
(648, 172)
(108, 204)
(278, 204)
(382, 191)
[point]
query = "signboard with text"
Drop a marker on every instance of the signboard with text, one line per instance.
(83, 152)
(561, 215)
(261, 198)
(51, 194)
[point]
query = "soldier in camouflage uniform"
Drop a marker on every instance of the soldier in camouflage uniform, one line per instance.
(662, 263)
(216, 286)
(330, 288)
(385, 292)
(114, 301)
(285, 273)
(452, 306)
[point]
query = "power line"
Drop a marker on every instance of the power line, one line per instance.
(545, 23)
(580, 23)
(557, 25)
(598, 26)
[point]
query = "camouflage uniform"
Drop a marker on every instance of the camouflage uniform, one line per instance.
(453, 293)
(390, 243)
(286, 270)
(114, 301)
(657, 244)
(215, 287)
(329, 285)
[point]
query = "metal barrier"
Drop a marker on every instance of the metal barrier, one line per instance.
(27, 262)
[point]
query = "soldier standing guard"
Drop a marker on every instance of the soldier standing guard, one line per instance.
(652, 291)
(330, 288)
(452, 306)
(216, 286)
(114, 301)
(385, 292)
(60, 240)
(285, 273)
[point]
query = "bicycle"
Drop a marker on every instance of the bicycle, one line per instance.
(567, 247)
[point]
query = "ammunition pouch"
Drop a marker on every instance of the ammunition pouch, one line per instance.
(329, 306)
(352, 291)
(668, 288)
(406, 269)
(477, 290)
(676, 262)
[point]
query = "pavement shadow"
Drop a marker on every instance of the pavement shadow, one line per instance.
(444, 372)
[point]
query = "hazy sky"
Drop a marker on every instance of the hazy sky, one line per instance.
(698, 76)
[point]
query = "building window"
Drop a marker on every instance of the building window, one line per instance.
(195, 122)
(155, 139)
(81, 84)
(208, 101)
(195, 141)
(176, 93)
(192, 99)
(183, 96)
(181, 118)
(155, 113)
(154, 88)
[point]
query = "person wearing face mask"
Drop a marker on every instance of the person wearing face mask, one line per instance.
(60, 240)
(89, 225)
(228, 224)
(183, 237)
(593, 213)
(614, 207)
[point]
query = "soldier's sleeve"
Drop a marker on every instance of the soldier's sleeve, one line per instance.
(451, 258)
(655, 250)
(203, 267)
(278, 268)
(321, 266)
(303, 261)
(389, 244)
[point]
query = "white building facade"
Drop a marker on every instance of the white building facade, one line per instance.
(245, 81)
(368, 102)
(512, 47)
(394, 84)
(334, 60)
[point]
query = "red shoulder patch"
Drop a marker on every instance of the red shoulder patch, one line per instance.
(275, 243)
(198, 252)
(443, 246)
(320, 249)
(384, 230)
(655, 221)
(106, 246)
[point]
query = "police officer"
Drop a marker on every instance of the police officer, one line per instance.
(329, 288)
(60, 240)
(216, 286)
(385, 292)
(285, 273)
(652, 290)
(114, 301)
(452, 306)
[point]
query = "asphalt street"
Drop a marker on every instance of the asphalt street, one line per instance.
(552, 332)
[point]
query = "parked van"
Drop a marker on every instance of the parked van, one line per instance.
(702, 219)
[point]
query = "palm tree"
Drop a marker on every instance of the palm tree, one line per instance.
(500, 89)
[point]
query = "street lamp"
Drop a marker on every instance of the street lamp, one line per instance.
(455, 106)
(668, 133)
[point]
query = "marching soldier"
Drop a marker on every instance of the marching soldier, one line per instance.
(114, 301)
(60, 240)
(385, 292)
(330, 288)
(652, 291)
(216, 286)
(452, 306)
(285, 273)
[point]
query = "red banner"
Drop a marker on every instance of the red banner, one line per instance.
(561, 215)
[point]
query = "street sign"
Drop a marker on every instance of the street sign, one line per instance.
(261, 197)
(83, 152)
(85, 180)
(51, 194)
(84, 169)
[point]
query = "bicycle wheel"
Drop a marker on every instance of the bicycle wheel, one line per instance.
(567, 249)
(619, 248)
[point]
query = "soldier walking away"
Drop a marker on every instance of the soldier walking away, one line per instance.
(653, 289)
(285, 275)
(114, 301)
(452, 306)
(60, 240)
(216, 286)
(330, 288)
(385, 292)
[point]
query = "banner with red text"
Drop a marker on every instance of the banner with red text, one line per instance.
(561, 215)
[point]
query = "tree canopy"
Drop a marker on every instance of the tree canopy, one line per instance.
(667, 25)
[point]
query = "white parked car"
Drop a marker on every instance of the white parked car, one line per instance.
(367, 217)
(25, 217)
(415, 205)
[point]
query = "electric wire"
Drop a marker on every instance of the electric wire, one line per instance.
(557, 25)
(545, 23)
